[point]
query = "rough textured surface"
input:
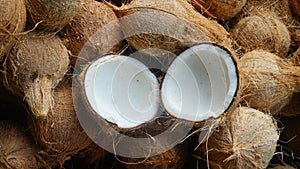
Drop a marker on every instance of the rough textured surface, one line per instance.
(95, 29)
(12, 22)
(60, 134)
(268, 81)
(219, 9)
(262, 30)
(295, 4)
(17, 150)
(245, 138)
(33, 67)
(54, 14)
(150, 24)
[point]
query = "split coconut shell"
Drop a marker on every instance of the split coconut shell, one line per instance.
(60, 134)
(16, 148)
(262, 30)
(54, 14)
(219, 9)
(245, 138)
(94, 31)
(169, 25)
(268, 81)
(12, 22)
(33, 67)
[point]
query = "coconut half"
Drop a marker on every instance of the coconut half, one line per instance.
(122, 90)
(202, 82)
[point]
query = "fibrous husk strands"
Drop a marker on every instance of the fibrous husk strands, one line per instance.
(262, 30)
(219, 9)
(245, 138)
(268, 81)
(33, 67)
(94, 31)
(60, 134)
(149, 24)
(295, 4)
(54, 14)
(12, 22)
(17, 150)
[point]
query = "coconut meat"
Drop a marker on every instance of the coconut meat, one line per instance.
(200, 83)
(122, 90)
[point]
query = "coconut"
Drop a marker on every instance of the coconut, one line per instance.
(33, 67)
(263, 30)
(12, 22)
(268, 81)
(60, 134)
(171, 159)
(54, 14)
(296, 57)
(220, 9)
(16, 148)
(293, 107)
(95, 28)
(169, 25)
(245, 138)
(295, 4)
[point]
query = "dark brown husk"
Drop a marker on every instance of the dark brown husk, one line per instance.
(245, 138)
(88, 30)
(291, 134)
(12, 22)
(293, 107)
(33, 67)
(152, 26)
(54, 14)
(219, 9)
(17, 150)
(262, 30)
(60, 134)
(268, 81)
(295, 4)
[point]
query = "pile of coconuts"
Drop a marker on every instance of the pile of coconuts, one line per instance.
(224, 76)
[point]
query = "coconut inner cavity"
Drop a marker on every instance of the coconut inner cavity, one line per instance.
(200, 83)
(122, 90)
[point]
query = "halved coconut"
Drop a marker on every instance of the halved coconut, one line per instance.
(202, 82)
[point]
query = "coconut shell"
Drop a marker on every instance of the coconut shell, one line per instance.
(263, 30)
(171, 159)
(12, 22)
(245, 138)
(33, 67)
(60, 134)
(268, 81)
(219, 9)
(54, 14)
(96, 29)
(169, 25)
(16, 148)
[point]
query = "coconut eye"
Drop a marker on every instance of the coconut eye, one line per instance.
(122, 90)
(200, 83)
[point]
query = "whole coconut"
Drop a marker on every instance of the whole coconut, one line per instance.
(33, 67)
(60, 134)
(12, 22)
(268, 82)
(54, 14)
(17, 150)
(245, 138)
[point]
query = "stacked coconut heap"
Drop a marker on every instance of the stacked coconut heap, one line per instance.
(149, 83)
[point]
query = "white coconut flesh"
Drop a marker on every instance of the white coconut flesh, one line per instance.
(122, 90)
(200, 83)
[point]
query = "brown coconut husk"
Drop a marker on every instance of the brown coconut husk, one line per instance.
(245, 138)
(33, 67)
(295, 4)
(54, 14)
(12, 22)
(169, 25)
(219, 9)
(171, 159)
(268, 81)
(17, 150)
(293, 107)
(262, 30)
(296, 57)
(60, 134)
(87, 31)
